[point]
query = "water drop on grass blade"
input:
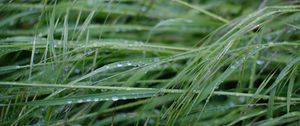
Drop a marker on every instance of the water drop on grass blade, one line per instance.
(119, 65)
(260, 62)
(96, 99)
(129, 64)
(114, 98)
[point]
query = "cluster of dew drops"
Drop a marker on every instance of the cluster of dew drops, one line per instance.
(113, 98)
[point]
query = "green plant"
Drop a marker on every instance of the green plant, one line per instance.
(130, 62)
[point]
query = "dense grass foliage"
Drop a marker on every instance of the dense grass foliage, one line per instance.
(149, 62)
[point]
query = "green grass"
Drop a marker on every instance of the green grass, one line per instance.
(156, 62)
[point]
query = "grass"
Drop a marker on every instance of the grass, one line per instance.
(130, 62)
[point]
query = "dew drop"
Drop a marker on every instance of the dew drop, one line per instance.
(69, 102)
(119, 65)
(96, 99)
(260, 62)
(88, 100)
(129, 64)
(80, 101)
(114, 98)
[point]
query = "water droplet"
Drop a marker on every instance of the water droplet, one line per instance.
(124, 98)
(114, 98)
(119, 65)
(260, 62)
(88, 100)
(129, 64)
(80, 101)
(69, 102)
(96, 99)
